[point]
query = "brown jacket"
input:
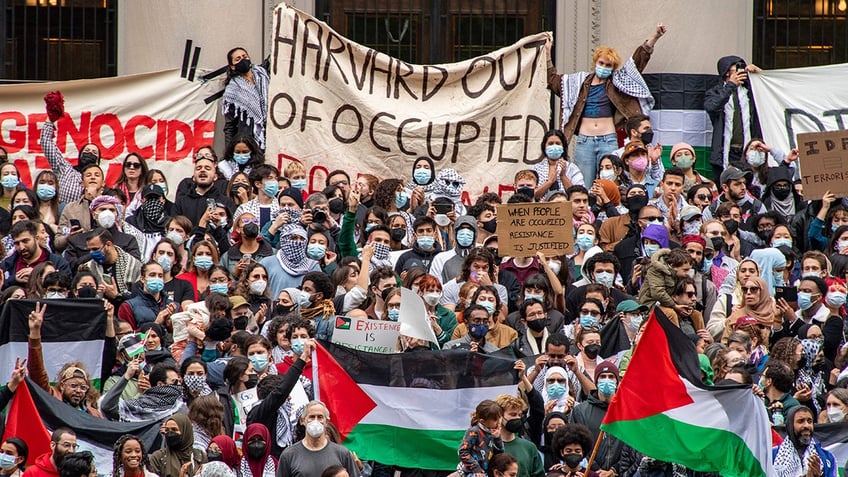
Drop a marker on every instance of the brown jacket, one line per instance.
(38, 373)
(696, 317)
(612, 231)
(625, 106)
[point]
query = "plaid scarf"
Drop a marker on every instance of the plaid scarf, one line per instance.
(121, 266)
(787, 462)
(156, 403)
(269, 468)
(292, 254)
(249, 101)
(627, 80)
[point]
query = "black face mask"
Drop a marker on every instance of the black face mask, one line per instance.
(635, 204)
(87, 292)
(591, 351)
(87, 158)
(802, 363)
(528, 191)
(173, 440)
(764, 235)
(731, 225)
(282, 309)
(250, 230)
(648, 136)
(243, 66)
(256, 449)
(537, 325)
(719, 243)
(491, 226)
(781, 194)
(572, 460)
(337, 205)
(398, 234)
(514, 425)
(240, 323)
(252, 380)
(213, 456)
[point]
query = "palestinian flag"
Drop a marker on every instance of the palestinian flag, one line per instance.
(73, 330)
(34, 414)
(663, 410)
(407, 409)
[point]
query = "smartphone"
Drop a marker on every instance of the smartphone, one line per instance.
(210, 203)
(75, 224)
(790, 294)
(443, 208)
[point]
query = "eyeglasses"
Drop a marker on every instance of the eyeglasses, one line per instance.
(747, 290)
(82, 387)
(703, 197)
(132, 165)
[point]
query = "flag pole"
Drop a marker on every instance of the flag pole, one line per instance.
(594, 452)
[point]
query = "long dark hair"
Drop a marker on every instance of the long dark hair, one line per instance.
(118, 449)
(142, 178)
(231, 73)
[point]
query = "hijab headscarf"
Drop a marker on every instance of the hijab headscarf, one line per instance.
(175, 458)
(229, 452)
(762, 311)
(216, 469)
(256, 468)
(562, 401)
(810, 376)
(768, 259)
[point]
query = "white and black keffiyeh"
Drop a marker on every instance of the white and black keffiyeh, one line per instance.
(270, 468)
(787, 462)
(443, 186)
(626, 79)
(249, 101)
(292, 254)
(156, 403)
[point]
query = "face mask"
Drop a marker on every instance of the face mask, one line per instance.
(719, 243)
(221, 288)
(316, 251)
(155, 285)
(528, 191)
(55, 295)
(258, 287)
(634, 323)
(252, 380)
(684, 162)
(212, 456)
(841, 244)
(585, 241)
(554, 151)
(537, 325)
(106, 219)
(337, 205)
(651, 249)
(298, 184)
(87, 291)
(243, 66)
(7, 461)
(514, 425)
(691, 273)
(606, 387)
(203, 262)
(756, 158)
(648, 136)
(393, 314)
(173, 440)
(401, 199)
(489, 306)
(811, 275)
(781, 194)
(706, 265)
(425, 243)
(781, 241)
(491, 226)
(835, 299)
(241, 158)
(833, 415)
(45, 191)
(270, 188)
(555, 267)
(194, 383)
(478, 330)
(556, 390)
(165, 262)
(602, 73)
(163, 186)
(692, 228)
(591, 351)
(635, 204)
(530, 296)
(260, 362)
(297, 345)
(572, 460)
(209, 354)
(398, 234)
(10, 182)
(607, 174)
(777, 278)
(422, 176)
(255, 450)
(304, 300)
(604, 278)
(465, 237)
(175, 237)
(588, 321)
(315, 429)
(805, 300)
(432, 298)
(87, 158)
(98, 256)
(250, 231)
(369, 227)
(639, 164)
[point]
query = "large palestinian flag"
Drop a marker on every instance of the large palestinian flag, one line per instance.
(407, 409)
(73, 330)
(34, 414)
(663, 410)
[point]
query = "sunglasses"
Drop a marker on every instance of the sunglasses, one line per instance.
(747, 290)
(246, 221)
(703, 197)
(132, 165)
(452, 183)
(652, 218)
(691, 294)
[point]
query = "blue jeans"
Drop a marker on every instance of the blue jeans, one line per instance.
(588, 152)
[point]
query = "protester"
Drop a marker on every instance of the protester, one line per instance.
(313, 454)
(178, 451)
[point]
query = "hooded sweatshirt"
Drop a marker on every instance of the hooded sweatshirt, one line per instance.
(447, 265)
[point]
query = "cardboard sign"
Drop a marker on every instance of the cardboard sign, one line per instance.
(372, 336)
(524, 229)
(823, 159)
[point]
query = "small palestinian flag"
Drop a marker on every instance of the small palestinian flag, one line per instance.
(342, 323)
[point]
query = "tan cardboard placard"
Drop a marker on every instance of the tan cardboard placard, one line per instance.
(524, 229)
(823, 159)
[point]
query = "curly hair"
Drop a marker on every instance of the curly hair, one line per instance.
(118, 449)
(243, 285)
(275, 326)
(784, 350)
(572, 434)
(207, 412)
(384, 195)
(477, 253)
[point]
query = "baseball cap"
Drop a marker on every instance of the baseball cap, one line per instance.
(732, 173)
(689, 212)
(237, 301)
(152, 189)
(628, 306)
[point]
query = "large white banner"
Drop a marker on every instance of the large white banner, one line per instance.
(800, 100)
(161, 115)
(335, 104)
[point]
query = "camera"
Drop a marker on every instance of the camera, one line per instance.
(318, 215)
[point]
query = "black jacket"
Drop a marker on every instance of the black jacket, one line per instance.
(417, 253)
(266, 411)
(192, 205)
(76, 252)
(590, 413)
(714, 100)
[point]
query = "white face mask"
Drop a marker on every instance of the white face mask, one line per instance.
(834, 414)
(106, 219)
(432, 298)
(315, 429)
(258, 287)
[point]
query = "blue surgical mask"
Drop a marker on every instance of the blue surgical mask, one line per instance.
(203, 262)
(422, 176)
(607, 174)
(165, 262)
(98, 256)
(316, 251)
(478, 330)
(297, 345)
(489, 306)
(603, 73)
(45, 191)
(10, 182)
(465, 237)
(162, 186)
(756, 158)
(209, 354)
(651, 249)
(606, 387)
(835, 299)
(304, 300)
(241, 158)
(369, 226)
(605, 278)
(270, 188)
(556, 390)
(401, 199)
(777, 277)
(531, 296)
(554, 151)
(833, 227)
(781, 241)
(588, 321)
(260, 362)
(155, 284)
(805, 300)
(706, 265)
(393, 314)
(221, 288)
(585, 241)
(7, 461)
(425, 242)
(841, 244)
(298, 184)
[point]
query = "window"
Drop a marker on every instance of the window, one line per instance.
(797, 33)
